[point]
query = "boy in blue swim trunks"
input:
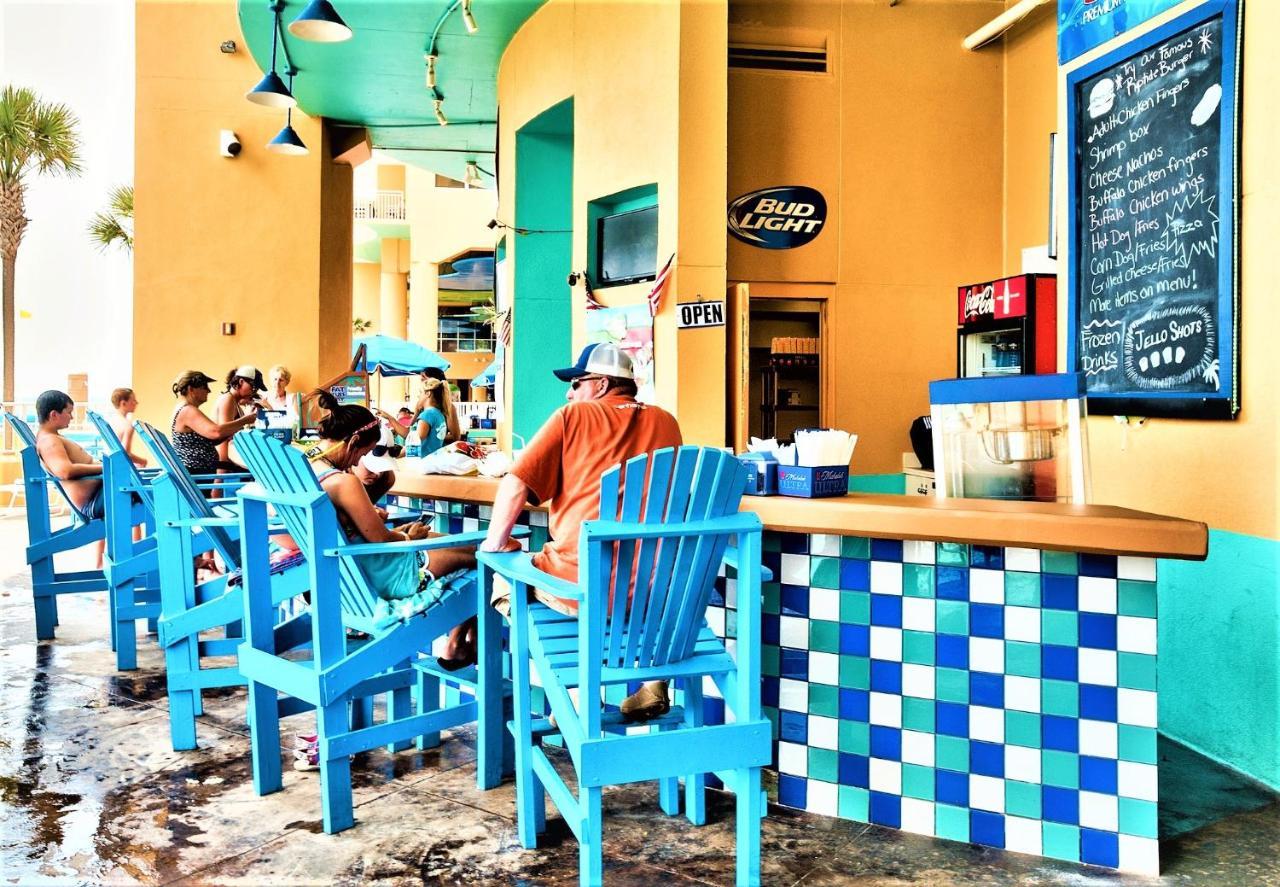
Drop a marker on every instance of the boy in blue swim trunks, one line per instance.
(65, 459)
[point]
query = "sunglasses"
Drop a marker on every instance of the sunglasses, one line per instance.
(581, 379)
(392, 451)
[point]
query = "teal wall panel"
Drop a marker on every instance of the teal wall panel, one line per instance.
(877, 483)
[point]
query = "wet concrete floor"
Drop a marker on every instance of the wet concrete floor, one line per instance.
(91, 793)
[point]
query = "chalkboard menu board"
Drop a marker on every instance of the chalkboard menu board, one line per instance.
(1152, 275)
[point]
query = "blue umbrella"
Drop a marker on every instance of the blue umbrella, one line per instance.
(396, 357)
(489, 375)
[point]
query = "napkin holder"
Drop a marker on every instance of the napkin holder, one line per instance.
(762, 473)
(813, 482)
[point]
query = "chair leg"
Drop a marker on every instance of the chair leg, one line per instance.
(695, 784)
(749, 812)
(530, 794)
(399, 707)
(123, 600)
(669, 792)
(46, 604)
(590, 850)
(428, 701)
(264, 715)
(335, 771)
(490, 727)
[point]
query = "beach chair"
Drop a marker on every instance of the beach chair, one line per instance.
(667, 521)
(43, 541)
(340, 672)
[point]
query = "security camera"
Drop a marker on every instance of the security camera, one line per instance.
(493, 223)
(573, 278)
(228, 143)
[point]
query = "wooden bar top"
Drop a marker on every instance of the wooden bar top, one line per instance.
(1094, 529)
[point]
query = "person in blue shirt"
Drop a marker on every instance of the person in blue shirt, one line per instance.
(430, 426)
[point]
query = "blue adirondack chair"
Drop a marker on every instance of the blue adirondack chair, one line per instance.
(339, 672)
(667, 520)
(43, 542)
(187, 524)
(133, 581)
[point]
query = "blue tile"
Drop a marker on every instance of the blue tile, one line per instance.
(854, 770)
(886, 677)
(886, 809)
(795, 543)
(886, 743)
(952, 583)
(855, 575)
(1058, 592)
(712, 711)
(986, 689)
(717, 594)
(794, 600)
(1059, 663)
(886, 549)
(855, 640)
(769, 691)
(953, 651)
(793, 726)
(793, 664)
(886, 609)
(1060, 804)
(1103, 565)
(1062, 734)
(1098, 775)
(951, 788)
(1098, 703)
(986, 828)
(770, 629)
(986, 758)
(952, 719)
(1099, 848)
(1098, 630)
(793, 791)
(855, 705)
(986, 620)
(772, 560)
(987, 557)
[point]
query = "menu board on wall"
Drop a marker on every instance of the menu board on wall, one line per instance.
(1152, 275)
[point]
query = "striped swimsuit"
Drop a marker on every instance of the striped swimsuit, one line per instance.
(197, 452)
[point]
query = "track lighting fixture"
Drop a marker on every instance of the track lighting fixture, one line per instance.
(431, 70)
(439, 106)
(467, 18)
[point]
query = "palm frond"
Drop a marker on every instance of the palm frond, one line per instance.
(35, 136)
(122, 201)
(107, 231)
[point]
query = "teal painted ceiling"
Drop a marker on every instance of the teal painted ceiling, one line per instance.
(377, 79)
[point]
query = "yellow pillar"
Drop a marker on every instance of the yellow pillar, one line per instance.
(393, 310)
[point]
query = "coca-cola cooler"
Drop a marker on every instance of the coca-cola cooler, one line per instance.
(1008, 327)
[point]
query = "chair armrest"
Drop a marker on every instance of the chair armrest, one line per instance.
(366, 548)
(204, 522)
(517, 566)
(612, 531)
(730, 559)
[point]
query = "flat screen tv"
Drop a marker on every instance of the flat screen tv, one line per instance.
(627, 247)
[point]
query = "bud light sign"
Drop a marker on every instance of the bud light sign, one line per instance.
(778, 218)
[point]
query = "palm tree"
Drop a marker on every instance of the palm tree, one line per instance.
(35, 137)
(114, 227)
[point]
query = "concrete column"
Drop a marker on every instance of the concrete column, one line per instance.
(393, 311)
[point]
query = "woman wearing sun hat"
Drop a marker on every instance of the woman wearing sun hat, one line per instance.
(195, 436)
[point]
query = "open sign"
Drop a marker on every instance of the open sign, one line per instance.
(690, 315)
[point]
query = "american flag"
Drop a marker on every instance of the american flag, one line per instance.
(504, 329)
(593, 303)
(655, 294)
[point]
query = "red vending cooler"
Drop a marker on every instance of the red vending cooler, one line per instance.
(1008, 327)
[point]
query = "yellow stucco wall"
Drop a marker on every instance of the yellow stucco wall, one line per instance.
(261, 240)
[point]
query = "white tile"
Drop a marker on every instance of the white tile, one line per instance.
(824, 544)
(715, 620)
(1099, 739)
(986, 793)
(1097, 594)
(793, 695)
(1022, 764)
(538, 518)
(486, 512)
(917, 748)
(986, 724)
(824, 603)
(886, 709)
(986, 654)
(1022, 835)
(1142, 568)
(793, 759)
(824, 668)
(824, 732)
(886, 643)
(917, 613)
(886, 776)
(470, 525)
(731, 593)
(917, 552)
(986, 586)
(917, 816)
(822, 798)
(1100, 811)
(1022, 624)
(795, 569)
(1097, 667)
(793, 632)
(918, 681)
(709, 688)
(1137, 781)
(1021, 693)
(886, 577)
(1139, 855)
(1024, 560)
(1136, 707)
(1135, 634)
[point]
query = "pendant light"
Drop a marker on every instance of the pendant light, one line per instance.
(320, 23)
(287, 140)
(271, 90)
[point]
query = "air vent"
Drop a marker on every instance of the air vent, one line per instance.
(777, 58)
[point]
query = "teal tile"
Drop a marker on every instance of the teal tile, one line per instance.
(856, 547)
(1022, 589)
(1060, 627)
(1137, 744)
(538, 537)
(1060, 768)
(1022, 728)
(855, 672)
(824, 700)
(1022, 799)
(917, 647)
(951, 753)
(854, 803)
(917, 782)
(1022, 659)
(771, 598)
(770, 657)
(824, 572)
(824, 636)
(824, 764)
(730, 623)
(952, 685)
(855, 607)
(1138, 818)
(952, 554)
(769, 712)
(854, 738)
(953, 617)
(1060, 698)
(917, 714)
(1137, 671)
(772, 542)
(1136, 598)
(917, 580)
(951, 822)
(1059, 562)
(1061, 841)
